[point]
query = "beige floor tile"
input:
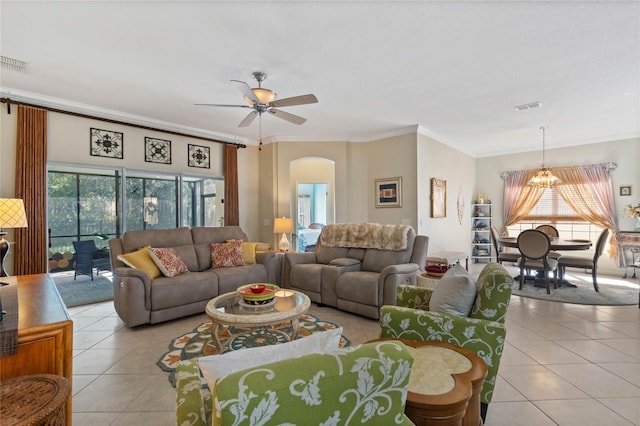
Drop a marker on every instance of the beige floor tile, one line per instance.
(594, 331)
(595, 351)
(87, 339)
(513, 356)
(520, 413)
(629, 408)
(630, 328)
(163, 418)
(539, 383)
(547, 352)
(629, 372)
(159, 395)
(109, 393)
(93, 419)
(97, 361)
(627, 346)
(504, 392)
(80, 381)
(581, 412)
(595, 381)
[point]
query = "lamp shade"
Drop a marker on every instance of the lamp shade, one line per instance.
(282, 225)
(12, 214)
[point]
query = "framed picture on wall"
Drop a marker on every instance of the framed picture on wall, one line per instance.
(199, 156)
(388, 192)
(105, 143)
(438, 197)
(157, 150)
(625, 190)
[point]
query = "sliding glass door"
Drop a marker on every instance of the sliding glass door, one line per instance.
(85, 203)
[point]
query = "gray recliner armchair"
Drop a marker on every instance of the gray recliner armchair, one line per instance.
(353, 275)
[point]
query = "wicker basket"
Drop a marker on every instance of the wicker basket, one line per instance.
(34, 400)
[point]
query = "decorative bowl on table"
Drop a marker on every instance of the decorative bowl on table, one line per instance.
(258, 293)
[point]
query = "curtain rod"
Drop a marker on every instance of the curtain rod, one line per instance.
(10, 101)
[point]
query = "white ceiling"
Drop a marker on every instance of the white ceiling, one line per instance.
(455, 68)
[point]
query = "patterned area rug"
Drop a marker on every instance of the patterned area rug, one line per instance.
(612, 292)
(199, 342)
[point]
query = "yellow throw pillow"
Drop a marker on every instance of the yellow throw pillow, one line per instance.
(249, 253)
(141, 260)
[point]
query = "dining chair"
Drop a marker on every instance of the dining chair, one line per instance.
(501, 255)
(534, 248)
(585, 262)
(552, 232)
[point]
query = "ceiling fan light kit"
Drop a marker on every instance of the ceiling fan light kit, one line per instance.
(261, 100)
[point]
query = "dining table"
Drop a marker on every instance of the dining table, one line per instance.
(557, 244)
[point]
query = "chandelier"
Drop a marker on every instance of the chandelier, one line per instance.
(544, 178)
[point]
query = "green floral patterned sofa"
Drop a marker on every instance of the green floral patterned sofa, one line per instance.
(365, 384)
(483, 332)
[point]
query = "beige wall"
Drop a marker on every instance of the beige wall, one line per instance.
(436, 160)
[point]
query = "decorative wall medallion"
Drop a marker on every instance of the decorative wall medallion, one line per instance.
(199, 156)
(157, 150)
(105, 143)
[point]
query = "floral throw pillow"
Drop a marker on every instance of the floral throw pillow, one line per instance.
(168, 261)
(228, 254)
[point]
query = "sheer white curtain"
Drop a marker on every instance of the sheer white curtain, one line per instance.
(519, 198)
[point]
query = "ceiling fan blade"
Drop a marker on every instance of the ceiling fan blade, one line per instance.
(225, 105)
(248, 119)
(295, 119)
(294, 100)
(246, 90)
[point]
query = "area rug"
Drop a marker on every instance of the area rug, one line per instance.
(612, 292)
(83, 291)
(199, 342)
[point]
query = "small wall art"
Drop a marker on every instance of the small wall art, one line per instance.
(438, 197)
(625, 190)
(157, 151)
(105, 143)
(199, 156)
(388, 192)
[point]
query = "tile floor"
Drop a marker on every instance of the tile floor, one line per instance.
(563, 364)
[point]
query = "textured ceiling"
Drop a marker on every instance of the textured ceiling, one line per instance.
(456, 69)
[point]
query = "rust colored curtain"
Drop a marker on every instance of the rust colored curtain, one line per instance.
(231, 213)
(31, 185)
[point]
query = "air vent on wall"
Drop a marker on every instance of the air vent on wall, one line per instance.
(528, 106)
(13, 64)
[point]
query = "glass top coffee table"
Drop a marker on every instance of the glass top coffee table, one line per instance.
(230, 310)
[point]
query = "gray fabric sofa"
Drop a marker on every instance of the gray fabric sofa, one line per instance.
(355, 279)
(140, 300)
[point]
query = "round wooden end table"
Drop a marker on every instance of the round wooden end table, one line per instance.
(444, 385)
(228, 310)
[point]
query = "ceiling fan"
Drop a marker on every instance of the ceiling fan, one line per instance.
(262, 100)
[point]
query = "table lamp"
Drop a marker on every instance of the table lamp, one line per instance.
(283, 226)
(12, 215)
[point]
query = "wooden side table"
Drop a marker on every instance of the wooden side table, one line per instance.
(449, 395)
(45, 333)
(36, 400)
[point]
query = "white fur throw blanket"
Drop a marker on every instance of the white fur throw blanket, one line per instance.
(365, 235)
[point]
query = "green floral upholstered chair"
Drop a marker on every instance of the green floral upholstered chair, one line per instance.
(483, 332)
(365, 384)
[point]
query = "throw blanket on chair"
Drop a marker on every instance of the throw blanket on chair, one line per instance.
(365, 235)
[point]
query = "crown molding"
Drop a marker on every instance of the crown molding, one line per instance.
(77, 107)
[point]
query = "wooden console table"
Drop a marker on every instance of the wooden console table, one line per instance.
(45, 333)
